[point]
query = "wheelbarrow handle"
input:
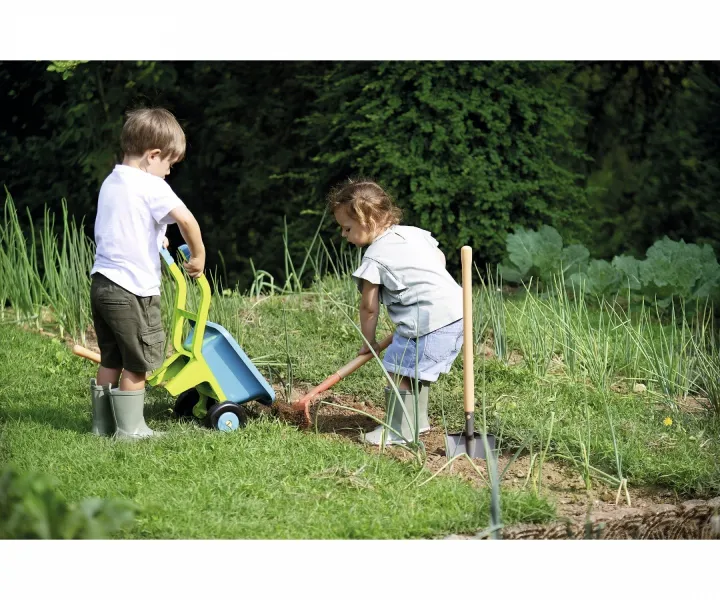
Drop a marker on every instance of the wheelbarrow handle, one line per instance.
(167, 257)
(85, 353)
(185, 251)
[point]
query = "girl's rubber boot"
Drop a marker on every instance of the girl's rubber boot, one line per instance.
(423, 421)
(103, 421)
(397, 419)
(128, 406)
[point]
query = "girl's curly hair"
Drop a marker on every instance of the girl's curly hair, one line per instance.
(366, 202)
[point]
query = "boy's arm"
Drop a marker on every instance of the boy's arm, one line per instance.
(190, 231)
(369, 311)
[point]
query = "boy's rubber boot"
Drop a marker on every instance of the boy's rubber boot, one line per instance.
(397, 419)
(103, 421)
(128, 406)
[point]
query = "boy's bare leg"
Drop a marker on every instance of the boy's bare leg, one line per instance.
(132, 381)
(105, 376)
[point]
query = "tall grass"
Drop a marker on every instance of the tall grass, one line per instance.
(667, 353)
(263, 283)
(66, 277)
(4, 276)
(490, 313)
(628, 353)
(535, 331)
(22, 284)
(597, 344)
(705, 359)
(293, 277)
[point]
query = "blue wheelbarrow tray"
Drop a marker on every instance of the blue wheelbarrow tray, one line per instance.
(237, 375)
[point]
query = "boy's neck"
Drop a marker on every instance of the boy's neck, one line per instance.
(133, 161)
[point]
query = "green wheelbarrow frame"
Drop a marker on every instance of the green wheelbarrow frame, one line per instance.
(186, 368)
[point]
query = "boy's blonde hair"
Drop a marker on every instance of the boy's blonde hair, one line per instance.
(150, 128)
(366, 202)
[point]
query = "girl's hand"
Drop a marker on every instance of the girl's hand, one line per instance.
(165, 242)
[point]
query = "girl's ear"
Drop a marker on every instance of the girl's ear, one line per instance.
(154, 153)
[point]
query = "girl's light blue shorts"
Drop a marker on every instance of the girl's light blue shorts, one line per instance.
(435, 353)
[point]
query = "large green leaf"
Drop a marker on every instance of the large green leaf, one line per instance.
(510, 273)
(548, 252)
(535, 253)
(521, 247)
(574, 259)
(629, 268)
(603, 278)
(708, 284)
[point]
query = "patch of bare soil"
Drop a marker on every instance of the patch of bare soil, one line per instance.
(653, 513)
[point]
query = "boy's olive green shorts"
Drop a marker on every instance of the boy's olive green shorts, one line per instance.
(128, 327)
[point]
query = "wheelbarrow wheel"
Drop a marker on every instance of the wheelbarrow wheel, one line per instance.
(186, 402)
(226, 416)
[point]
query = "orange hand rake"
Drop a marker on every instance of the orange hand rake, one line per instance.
(303, 405)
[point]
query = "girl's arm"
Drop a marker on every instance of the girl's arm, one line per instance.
(442, 256)
(369, 311)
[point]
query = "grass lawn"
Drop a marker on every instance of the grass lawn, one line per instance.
(267, 481)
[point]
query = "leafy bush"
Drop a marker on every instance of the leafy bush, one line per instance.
(679, 269)
(32, 508)
(467, 148)
(670, 269)
(598, 279)
(540, 255)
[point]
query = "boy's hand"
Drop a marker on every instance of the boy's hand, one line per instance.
(165, 242)
(194, 267)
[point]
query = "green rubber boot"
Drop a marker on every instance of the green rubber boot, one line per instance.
(128, 406)
(103, 421)
(402, 421)
(423, 421)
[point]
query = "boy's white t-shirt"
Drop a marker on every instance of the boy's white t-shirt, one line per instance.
(131, 220)
(419, 293)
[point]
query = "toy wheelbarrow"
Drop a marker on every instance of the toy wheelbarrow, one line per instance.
(210, 365)
(209, 368)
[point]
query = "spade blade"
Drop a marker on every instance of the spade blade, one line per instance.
(475, 448)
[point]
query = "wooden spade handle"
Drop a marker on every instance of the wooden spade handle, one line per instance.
(468, 371)
(85, 353)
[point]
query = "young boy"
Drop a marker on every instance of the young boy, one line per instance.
(135, 206)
